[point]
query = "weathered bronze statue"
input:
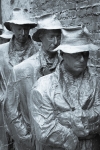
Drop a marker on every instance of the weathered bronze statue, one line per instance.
(18, 49)
(23, 77)
(65, 105)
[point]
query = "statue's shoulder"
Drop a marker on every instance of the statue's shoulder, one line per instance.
(30, 62)
(27, 67)
(4, 47)
(46, 83)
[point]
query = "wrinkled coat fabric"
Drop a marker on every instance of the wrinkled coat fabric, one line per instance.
(16, 105)
(5, 69)
(65, 111)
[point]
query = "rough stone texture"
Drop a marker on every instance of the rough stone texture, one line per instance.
(69, 12)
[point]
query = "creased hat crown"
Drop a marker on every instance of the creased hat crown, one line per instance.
(76, 39)
(20, 16)
(47, 22)
(75, 36)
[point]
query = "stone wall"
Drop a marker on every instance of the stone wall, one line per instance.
(69, 12)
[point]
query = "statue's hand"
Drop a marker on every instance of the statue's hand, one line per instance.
(77, 125)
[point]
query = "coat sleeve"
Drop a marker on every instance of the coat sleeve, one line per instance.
(88, 116)
(45, 124)
(13, 115)
(91, 116)
(4, 73)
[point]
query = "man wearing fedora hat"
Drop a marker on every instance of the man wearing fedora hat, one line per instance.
(24, 75)
(21, 45)
(49, 34)
(65, 105)
(19, 48)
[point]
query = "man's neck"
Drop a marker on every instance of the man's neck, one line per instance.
(20, 42)
(49, 54)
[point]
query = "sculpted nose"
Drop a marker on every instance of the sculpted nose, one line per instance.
(82, 58)
(55, 40)
(22, 31)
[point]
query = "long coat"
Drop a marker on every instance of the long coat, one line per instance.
(16, 105)
(65, 112)
(5, 69)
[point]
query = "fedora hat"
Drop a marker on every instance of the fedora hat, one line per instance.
(76, 39)
(20, 17)
(6, 34)
(47, 22)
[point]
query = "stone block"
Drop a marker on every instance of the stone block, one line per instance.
(64, 22)
(78, 12)
(89, 10)
(73, 13)
(87, 19)
(70, 5)
(82, 12)
(95, 18)
(34, 6)
(93, 2)
(96, 9)
(64, 15)
(93, 26)
(83, 4)
(78, 21)
(70, 21)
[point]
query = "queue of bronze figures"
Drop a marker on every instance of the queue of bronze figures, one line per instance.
(49, 98)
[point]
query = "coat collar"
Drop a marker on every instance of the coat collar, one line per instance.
(78, 93)
(48, 65)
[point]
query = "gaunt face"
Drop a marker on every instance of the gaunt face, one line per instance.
(50, 39)
(76, 63)
(21, 32)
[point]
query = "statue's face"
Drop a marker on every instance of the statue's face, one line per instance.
(21, 32)
(50, 39)
(75, 63)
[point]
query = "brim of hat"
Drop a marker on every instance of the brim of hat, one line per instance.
(36, 34)
(76, 49)
(6, 36)
(20, 22)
